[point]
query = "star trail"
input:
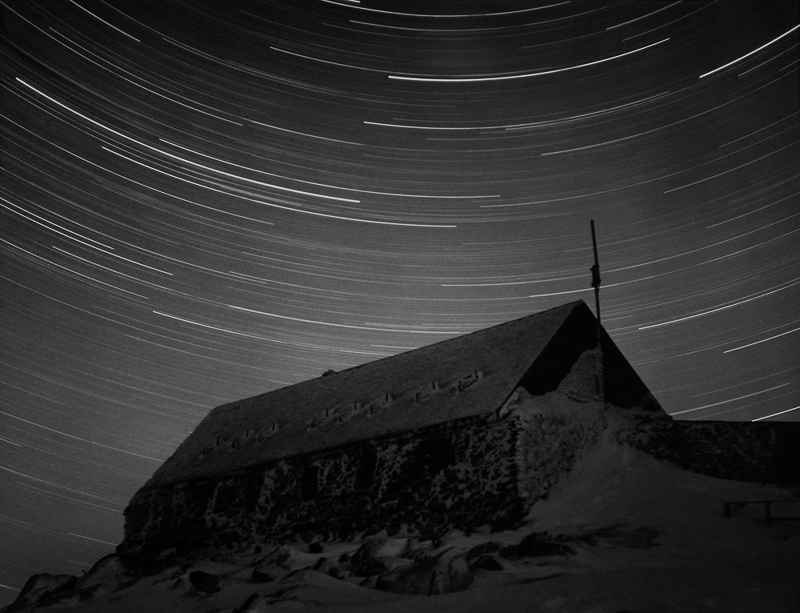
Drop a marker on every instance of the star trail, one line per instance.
(203, 201)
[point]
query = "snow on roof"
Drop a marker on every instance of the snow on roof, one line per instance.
(460, 377)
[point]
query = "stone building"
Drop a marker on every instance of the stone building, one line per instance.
(465, 433)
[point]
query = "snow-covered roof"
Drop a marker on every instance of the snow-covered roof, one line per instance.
(464, 376)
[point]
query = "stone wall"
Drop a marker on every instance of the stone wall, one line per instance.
(480, 471)
(458, 474)
(762, 452)
(552, 432)
(549, 447)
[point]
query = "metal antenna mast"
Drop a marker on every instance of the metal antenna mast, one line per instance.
(596, 278)
(599, 375)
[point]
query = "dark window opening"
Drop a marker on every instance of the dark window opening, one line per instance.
(365, 473)
(309, 483)
(436, 454)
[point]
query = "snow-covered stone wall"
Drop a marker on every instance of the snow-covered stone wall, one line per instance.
(480, 471)
(764, 452)
(553, 431)
(460, 473)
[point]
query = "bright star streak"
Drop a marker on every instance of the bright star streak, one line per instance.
(746, 55)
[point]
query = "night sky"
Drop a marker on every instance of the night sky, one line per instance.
(204, 201)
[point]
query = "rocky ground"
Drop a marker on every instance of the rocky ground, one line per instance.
(624, 532)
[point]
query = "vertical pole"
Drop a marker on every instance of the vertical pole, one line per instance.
(599, 374)
(596, 279)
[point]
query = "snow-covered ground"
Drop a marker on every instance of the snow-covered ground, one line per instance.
(645, 537)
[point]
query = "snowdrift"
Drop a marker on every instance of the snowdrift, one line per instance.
(619, 531)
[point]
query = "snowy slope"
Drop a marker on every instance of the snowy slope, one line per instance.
(645, 536)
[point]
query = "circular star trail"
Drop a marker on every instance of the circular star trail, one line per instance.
(206, 201)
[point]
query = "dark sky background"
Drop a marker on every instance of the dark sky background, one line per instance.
(203, 201)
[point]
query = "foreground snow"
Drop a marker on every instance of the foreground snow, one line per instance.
(642, 536)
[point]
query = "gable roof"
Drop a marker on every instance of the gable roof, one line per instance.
(460, 377)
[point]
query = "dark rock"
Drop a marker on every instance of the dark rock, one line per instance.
(204, 582)
(367, 550)
(245, 606)
(106, 576)
(279, 555)
(94, 591)
(621, 536)
(369, 568)
(315, 547)
(510, 552)
(589, 539)
(368, 582)
(482, 549)
(40, 587)
(59, 600)
(300, 577)
(486, 563)
(107, 568)
(334, 572)
(267, 573)
(446, 572)
(535, 544)
(419, 554)
(322, 565)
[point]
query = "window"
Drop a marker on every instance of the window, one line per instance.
(436, 454)
(309, 483)
(365, 473)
